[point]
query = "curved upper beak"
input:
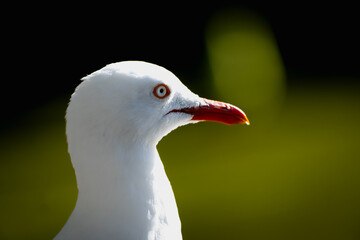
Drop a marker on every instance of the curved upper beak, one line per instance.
(216, 111)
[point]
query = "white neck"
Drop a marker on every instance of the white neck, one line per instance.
(123, 194)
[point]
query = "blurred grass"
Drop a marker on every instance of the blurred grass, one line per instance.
(37, 182)
(298, 179)
(294, 173)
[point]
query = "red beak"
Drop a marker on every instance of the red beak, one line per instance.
(217, 112)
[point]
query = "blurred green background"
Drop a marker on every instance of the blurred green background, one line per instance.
(294, 173)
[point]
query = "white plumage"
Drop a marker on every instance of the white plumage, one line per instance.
(115, 119)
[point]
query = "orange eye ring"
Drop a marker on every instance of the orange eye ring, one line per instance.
(161, 91)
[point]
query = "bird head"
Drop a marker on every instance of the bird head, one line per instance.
(139, 102)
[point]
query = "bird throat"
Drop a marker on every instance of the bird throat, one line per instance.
(124, 192)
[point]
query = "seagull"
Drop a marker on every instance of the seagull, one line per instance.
(114, 120)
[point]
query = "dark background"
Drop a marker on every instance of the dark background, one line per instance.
(47, 49)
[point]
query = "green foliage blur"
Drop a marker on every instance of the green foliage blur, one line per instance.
(294, 173)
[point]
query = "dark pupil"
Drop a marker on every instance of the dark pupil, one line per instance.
(161, 90)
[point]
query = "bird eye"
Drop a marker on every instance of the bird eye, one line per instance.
(161, 91)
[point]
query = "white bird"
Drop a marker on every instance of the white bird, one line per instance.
(115, 119)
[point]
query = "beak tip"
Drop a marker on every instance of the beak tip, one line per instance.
(242, 116)
(244, 120)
